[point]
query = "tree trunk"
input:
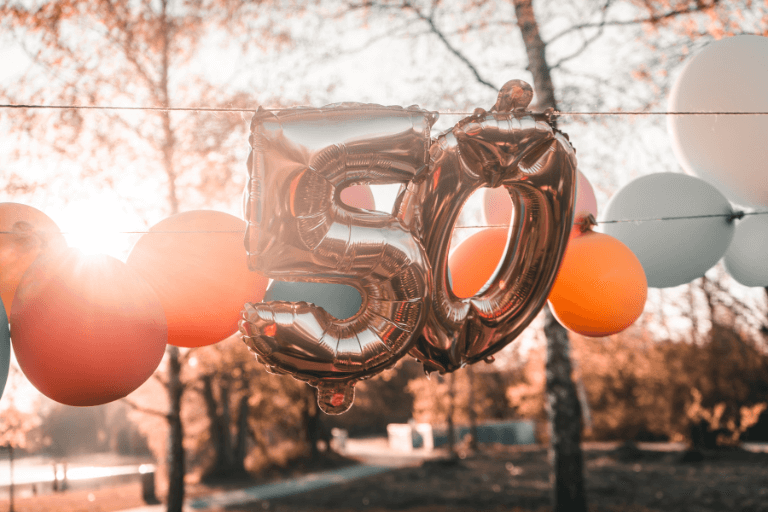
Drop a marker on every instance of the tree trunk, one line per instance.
(471, 409)
(219, 428)
(176, 462)
(537, 55)
(567, 473)
(564, 422)
(311, 422)
(175, 499)
(241, 436)
(451, 426)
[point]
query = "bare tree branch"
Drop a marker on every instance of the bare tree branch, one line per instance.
(588, 41)
(161, 379)
(136, 407)
(654, 19)
(440, 35)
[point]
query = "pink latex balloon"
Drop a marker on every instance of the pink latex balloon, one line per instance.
(358, 196)
(497, 205)
(586, 203)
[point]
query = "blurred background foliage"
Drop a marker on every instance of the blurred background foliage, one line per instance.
(693, 369)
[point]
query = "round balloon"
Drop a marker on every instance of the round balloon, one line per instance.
(746, 259)
(5, 348)
(586, 203)
(25, 232)
(600, 288)
(497, 205)
(672, 252)
(198, 266)
(358, 196)
(339, 300)
(474, 261)
(728, 151)
(87, 330)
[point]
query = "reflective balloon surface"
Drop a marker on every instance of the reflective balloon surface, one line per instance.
(524, 153)
(300, 229)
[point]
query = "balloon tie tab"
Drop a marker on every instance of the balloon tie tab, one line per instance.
(736, 215)
(335, 398)
(586, 223)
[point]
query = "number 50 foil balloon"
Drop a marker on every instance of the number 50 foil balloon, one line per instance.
(524, 153)
(298, 229)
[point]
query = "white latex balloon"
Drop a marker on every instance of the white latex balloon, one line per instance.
(746, 259)
(729, 151)
(672, 252)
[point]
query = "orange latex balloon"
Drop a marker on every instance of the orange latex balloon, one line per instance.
(25, 232)
(198, 266)
(86, 330)
(601, 287)
(474, 261)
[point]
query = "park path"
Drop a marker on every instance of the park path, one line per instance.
(374, 454)
(290, 487)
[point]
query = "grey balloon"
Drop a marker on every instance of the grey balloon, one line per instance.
(745, 260)
(5, 348)
(339, 300)
(672, 251)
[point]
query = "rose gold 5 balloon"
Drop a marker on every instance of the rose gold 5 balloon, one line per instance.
(300, 230)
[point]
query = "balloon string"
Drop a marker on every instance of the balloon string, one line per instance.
(446, 112)
(729, 216)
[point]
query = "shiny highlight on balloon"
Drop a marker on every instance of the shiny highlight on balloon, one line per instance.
(299, 229)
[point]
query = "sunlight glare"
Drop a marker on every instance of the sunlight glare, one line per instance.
(98, 226)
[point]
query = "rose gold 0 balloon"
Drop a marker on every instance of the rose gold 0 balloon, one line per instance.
(523, 152)
(299, 229)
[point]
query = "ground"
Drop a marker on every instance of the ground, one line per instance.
(516, 479)
(502, 478)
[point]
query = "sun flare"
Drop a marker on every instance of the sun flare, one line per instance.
(98, 226)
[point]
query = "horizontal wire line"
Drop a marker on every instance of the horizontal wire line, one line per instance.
(734, 215)
(446, 112)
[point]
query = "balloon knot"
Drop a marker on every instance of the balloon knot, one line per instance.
(586, 223)
(736, 215)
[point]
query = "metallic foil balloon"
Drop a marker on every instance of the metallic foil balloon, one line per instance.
(524, 153)
(299, 229)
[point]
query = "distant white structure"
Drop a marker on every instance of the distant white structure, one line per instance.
(406, 437)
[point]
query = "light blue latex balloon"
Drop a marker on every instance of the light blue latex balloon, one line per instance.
(695, 235)
(5, 348)
(337, 299)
